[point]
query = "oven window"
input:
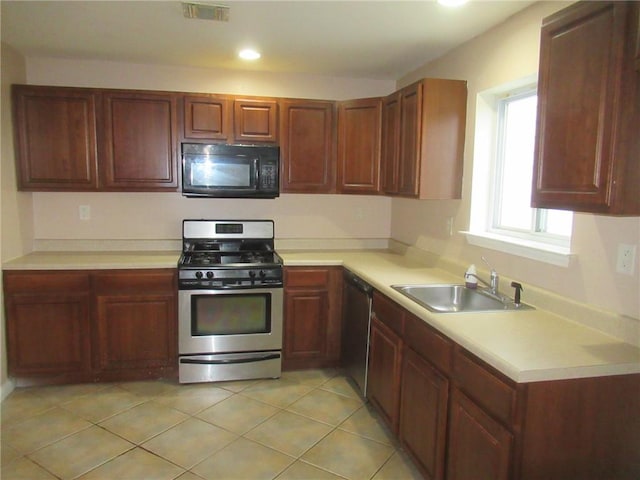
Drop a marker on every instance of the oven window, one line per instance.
(235, 314)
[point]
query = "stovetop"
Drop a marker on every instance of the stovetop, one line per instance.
(229, 254)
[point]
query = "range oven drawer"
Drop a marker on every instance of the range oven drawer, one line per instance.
(231, 366)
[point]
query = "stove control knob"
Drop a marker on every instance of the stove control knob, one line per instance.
(209, 274)
(262, 274)
(252, 274)
(198, 275)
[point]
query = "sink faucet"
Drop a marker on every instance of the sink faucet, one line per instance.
(494, 282)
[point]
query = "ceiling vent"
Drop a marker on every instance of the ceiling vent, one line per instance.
(203, 11)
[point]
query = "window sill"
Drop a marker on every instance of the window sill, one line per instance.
(559, 256)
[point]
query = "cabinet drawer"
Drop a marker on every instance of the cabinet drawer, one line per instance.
(306, 277)
(389, 313)
(428, 343)
(494, 395)
(136, 281)
(35, 281)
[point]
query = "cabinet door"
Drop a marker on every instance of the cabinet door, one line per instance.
(479, 447)
(135, 331)
(255, 120)
(207, 117)
(359, 125)
(55, 132)
(307, 146)
(410, 126)
(48, 334)
(312, 323)
(390, 145)
(140, 141)
(579, 101)
(383, 378)
(135, 322)
(47, 319)
(423, 414)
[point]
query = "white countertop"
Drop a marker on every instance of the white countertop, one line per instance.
(93, 260)
(527, 346)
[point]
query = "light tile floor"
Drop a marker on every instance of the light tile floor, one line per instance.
(305, 425)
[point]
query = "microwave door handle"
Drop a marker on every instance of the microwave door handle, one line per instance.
(256, 169)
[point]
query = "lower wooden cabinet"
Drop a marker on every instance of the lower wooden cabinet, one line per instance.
(423, 414)
(385, 359)
(479, 447)
(135, 327)
(48, 324)
(71, 326)
(312, 317)
(459, 418)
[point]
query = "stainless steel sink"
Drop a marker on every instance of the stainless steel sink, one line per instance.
(457, 298)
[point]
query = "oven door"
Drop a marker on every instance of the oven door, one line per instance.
(230, 321)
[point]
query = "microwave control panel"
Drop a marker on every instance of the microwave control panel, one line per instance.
(268, 175)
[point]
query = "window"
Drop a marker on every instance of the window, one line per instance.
(501, 216)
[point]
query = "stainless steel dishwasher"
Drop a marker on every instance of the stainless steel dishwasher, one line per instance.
(356, 313)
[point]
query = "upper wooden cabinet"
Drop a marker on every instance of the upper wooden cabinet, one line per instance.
(390, 146)
(307, 146)
(359, 125)
(255, 120)
(207, 117)
(56, 137)
(74, 139)
(587, 142)
(423, 158)
(140, 141)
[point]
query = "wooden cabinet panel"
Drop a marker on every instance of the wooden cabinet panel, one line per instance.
(359, 130)
(78, 326)
(136, 331)
(312, 317)
(255, 120)
(389, 313)
(410, 126)
(423, 414)
(383, 378)
(140, 144)
(485, 387)
(48, 334)
(305, 332)
(207, 117)
(430, 139)
(582, 429)
(430, 344)
(390, 144)
(479, 447)
(136, 320)
(588, 111)
(56, 142)
(307, 146)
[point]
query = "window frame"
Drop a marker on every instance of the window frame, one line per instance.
(487, 185)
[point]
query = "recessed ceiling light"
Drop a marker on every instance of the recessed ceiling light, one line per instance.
(452, 3)
(249, 54)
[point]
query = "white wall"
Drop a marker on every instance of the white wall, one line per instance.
(158, 215)
(506, 53)
(16, 223)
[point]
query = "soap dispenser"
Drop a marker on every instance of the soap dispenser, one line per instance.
(470, 279)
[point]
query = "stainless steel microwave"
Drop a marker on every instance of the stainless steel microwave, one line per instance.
(230, 171)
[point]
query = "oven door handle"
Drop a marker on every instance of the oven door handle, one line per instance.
(227, 361)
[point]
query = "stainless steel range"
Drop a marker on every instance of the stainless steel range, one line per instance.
(230, 301)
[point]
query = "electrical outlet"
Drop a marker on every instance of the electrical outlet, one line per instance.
(626, 259)
(450, 226)
(84, 211)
